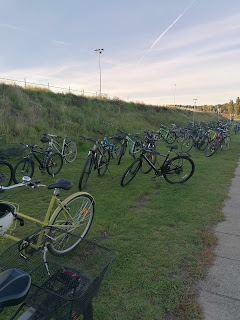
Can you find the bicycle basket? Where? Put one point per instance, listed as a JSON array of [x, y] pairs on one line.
[[8, 150], [7, 212], [65, 284]]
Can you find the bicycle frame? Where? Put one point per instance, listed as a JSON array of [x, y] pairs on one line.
[[54, 144], [159, 170], [164, 133], [48, 219]]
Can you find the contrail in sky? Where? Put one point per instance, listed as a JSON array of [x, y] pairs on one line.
[[162, 34]]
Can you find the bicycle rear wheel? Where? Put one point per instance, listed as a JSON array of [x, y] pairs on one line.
[[178, 169], [211, 148], [122, 152], [131, 171], [24, 167], [75, 221], [6, 173], [70, 151], [54, 163], [171, 137]]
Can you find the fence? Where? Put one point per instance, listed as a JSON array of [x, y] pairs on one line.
[[26, 84]]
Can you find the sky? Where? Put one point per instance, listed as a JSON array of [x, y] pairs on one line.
[[155, 51]]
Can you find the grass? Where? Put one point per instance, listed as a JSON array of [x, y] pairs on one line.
[[162, 236]]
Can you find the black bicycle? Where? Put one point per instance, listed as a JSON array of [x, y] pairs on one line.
[[98, 159], [47, 160], [178, 169]]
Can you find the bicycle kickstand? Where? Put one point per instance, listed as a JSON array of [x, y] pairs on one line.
[[110, 173], [154, 179]]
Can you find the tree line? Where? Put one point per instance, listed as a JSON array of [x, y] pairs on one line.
[[231, 107]]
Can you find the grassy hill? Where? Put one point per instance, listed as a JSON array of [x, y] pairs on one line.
[[162, 236], [31, 112]]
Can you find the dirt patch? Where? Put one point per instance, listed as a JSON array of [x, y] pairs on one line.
[[140, 204]]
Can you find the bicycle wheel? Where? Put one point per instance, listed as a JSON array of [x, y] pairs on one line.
[[24, 167], [178, 169], [145, 167], [187, 144], [104, 159], [211, 148], [75, 220], [70, 151], [225, 144], [131, 171], [122, 152], [136, 149], [85, 172], [6, 173], [171, 137], [54, 163], [202, 143]]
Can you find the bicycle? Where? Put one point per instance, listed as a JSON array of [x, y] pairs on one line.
[[47, 160], [50, 287], [68, 148], [114, 147], [166, 134], [98, 158], [178, 169], [6, 169], [133, 145], [73, 215]]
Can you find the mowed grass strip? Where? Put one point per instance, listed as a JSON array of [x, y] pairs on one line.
[[162, 235]]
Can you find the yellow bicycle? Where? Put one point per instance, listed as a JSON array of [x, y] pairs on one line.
[[72, 216]]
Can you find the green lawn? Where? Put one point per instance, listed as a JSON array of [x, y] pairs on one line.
[[162, 235]]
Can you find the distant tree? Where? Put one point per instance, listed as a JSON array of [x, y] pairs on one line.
[[230, 107], [237, 106]]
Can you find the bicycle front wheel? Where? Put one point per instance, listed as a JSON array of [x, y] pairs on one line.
[[6, 173], [171, 137], [72, 223], [178, 169], [85, 172], [24, 167], [122, 152], [54, 163], [131, 171], [103, 162]]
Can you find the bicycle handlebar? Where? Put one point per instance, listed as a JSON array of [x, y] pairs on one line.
[[26, 182]]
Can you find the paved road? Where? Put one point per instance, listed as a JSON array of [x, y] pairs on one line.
[[220, 291]]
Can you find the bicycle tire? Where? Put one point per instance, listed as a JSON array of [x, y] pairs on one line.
[[122, 152], [187, 144], [171, 137], [173, 169], [70, 151], [54, 163], [145, 167], [81, 213], [87, 168], [211, 148], [104, 159], [6, 173], [225, 144], [24, 167], [131, 171], [136, 149]]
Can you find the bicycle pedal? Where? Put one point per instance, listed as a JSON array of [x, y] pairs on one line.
[[153, 178]]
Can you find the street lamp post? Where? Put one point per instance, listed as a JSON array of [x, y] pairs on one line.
[[194, 110], [100, 52]]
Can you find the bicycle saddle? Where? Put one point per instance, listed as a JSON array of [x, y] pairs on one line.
[[14, 287], [61, 184]]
